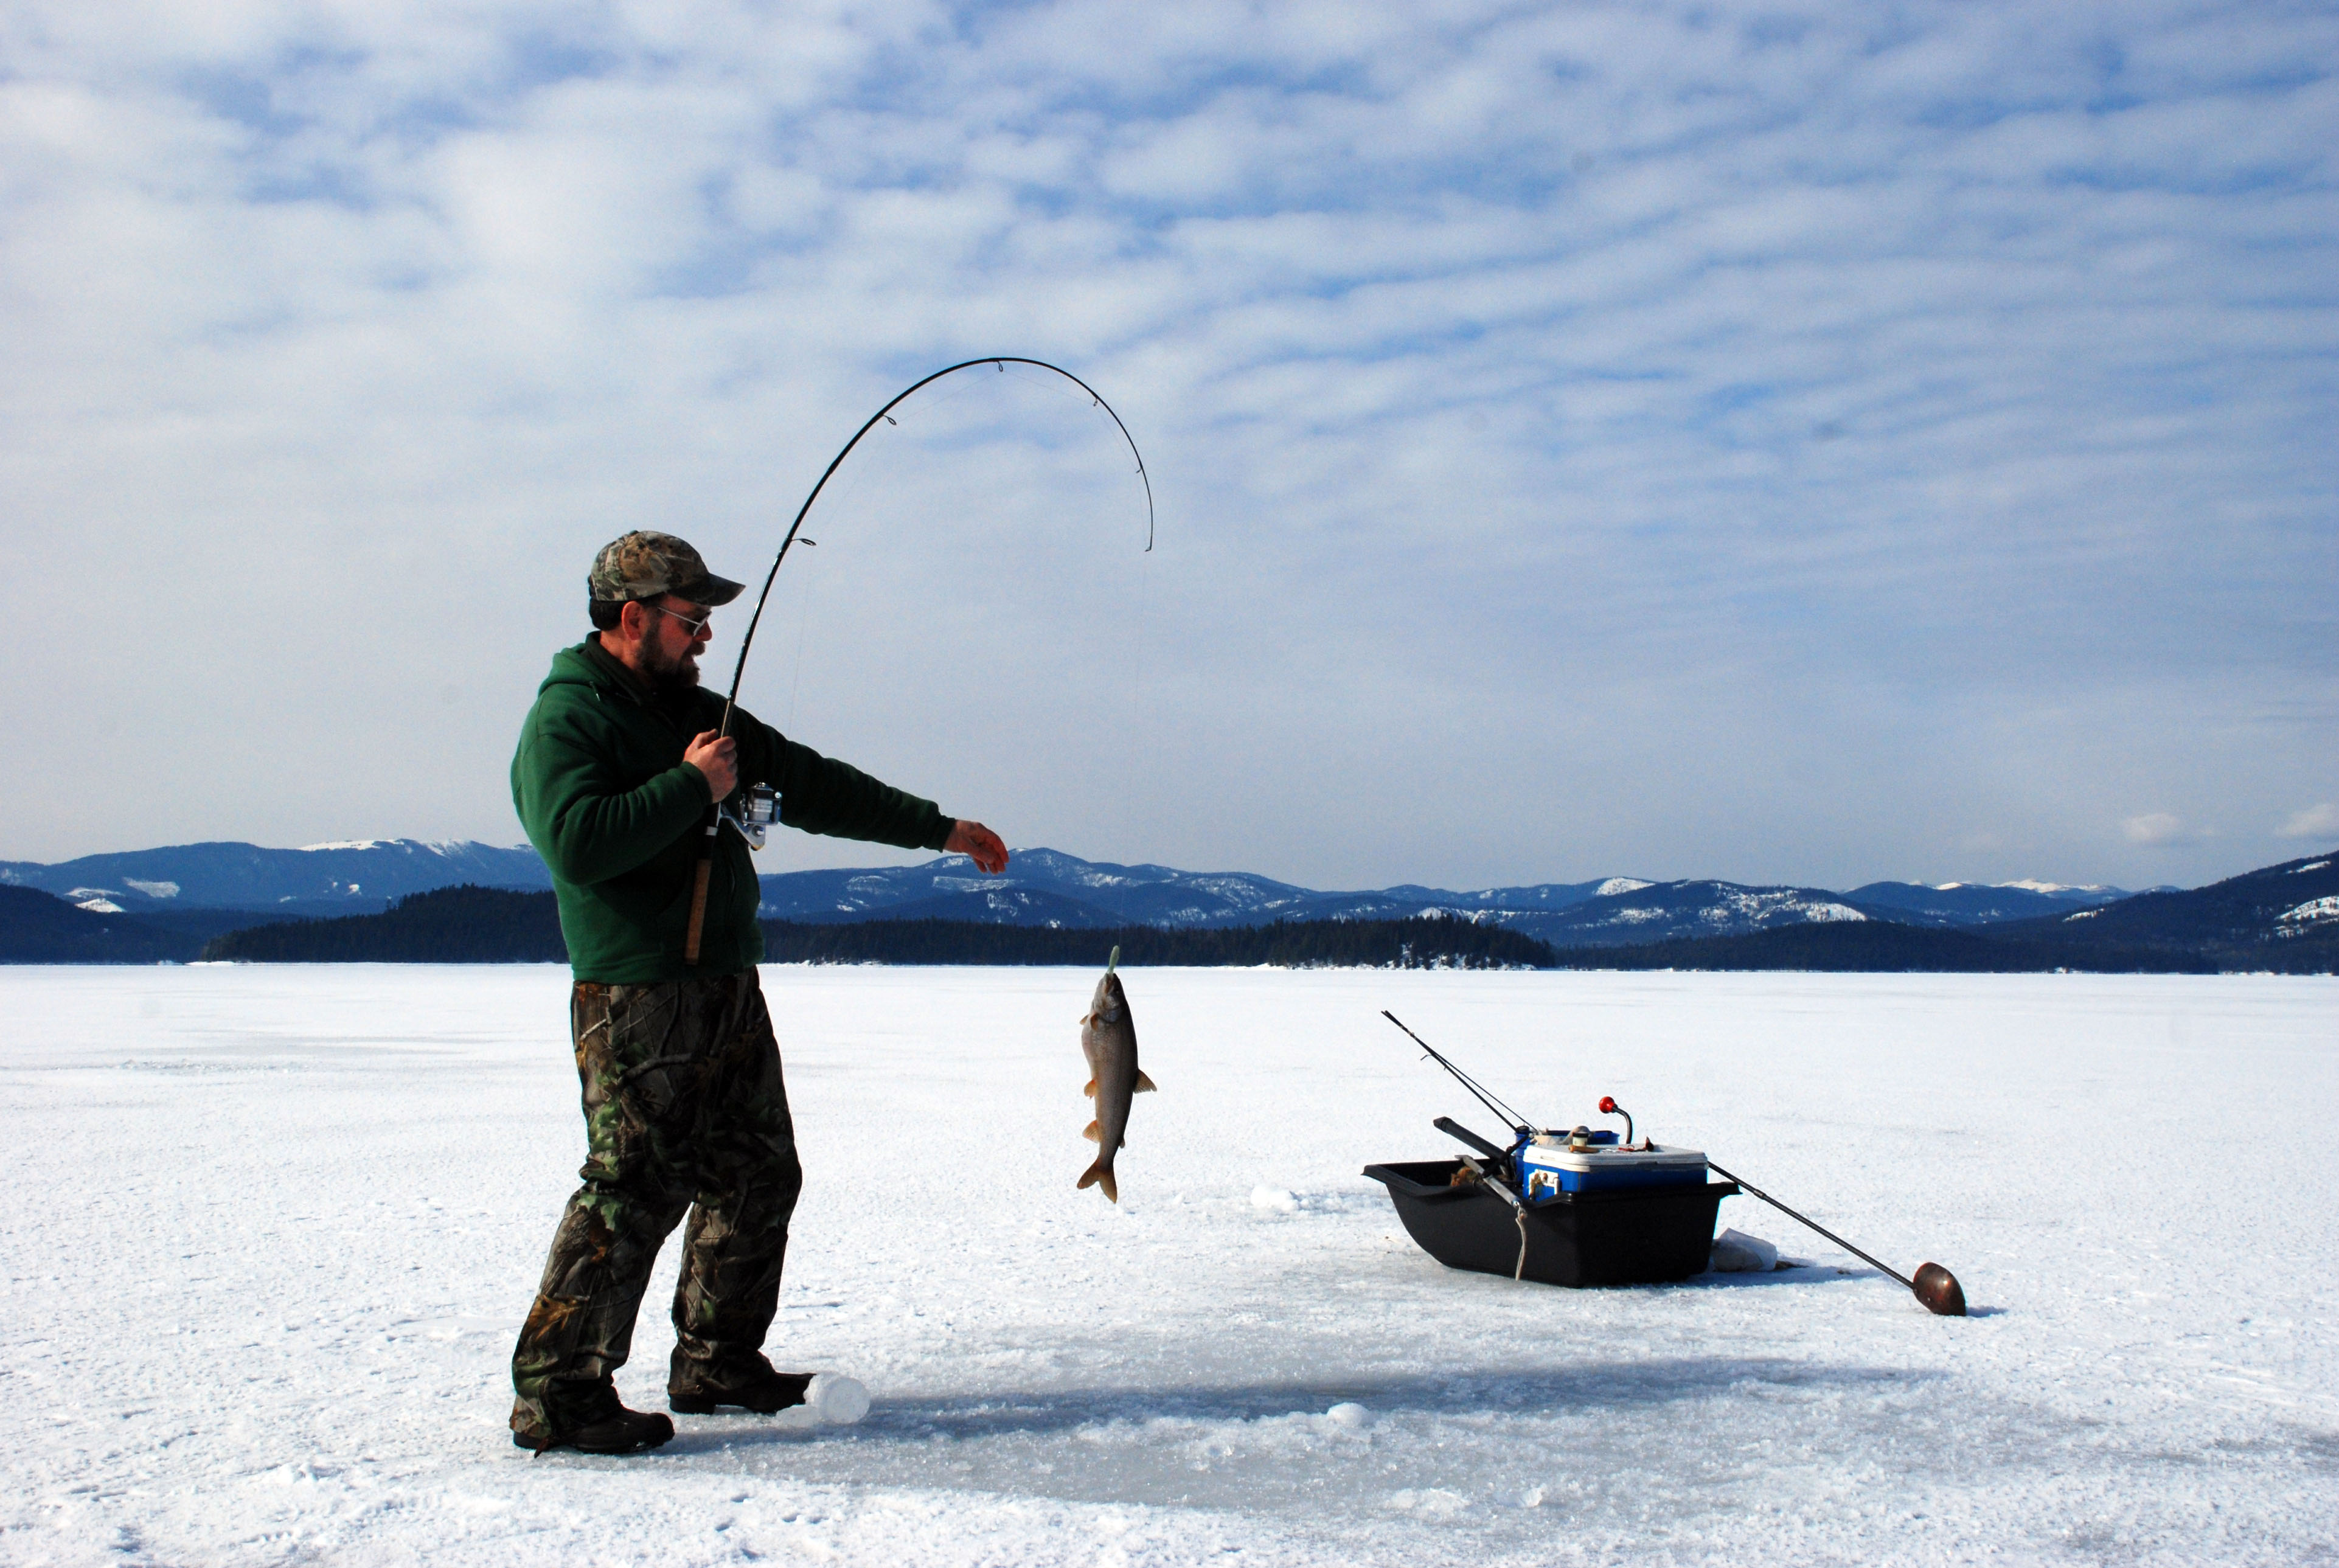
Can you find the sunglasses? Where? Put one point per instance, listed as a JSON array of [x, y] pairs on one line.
[[695, 627]]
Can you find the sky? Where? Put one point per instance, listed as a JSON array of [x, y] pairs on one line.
[[1779, 442]]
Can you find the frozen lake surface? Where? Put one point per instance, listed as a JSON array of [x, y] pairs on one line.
[[270, 1232]]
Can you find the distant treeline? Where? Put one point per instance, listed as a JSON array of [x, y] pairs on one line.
[[41, 928], [448, 925], [1433, 943], [491, 925], [1873, 946]]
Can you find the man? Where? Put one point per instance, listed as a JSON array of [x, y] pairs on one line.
[[685, 1108]]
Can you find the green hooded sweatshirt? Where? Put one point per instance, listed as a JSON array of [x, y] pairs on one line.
[[618, 817]]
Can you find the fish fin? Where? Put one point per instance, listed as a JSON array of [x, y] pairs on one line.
[[1093, 1134], [1100, 1175], [1091, 1090], [1144, 1085]]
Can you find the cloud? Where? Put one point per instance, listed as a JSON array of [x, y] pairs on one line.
[[2158, 830], [2316, 822], [1705, 392]]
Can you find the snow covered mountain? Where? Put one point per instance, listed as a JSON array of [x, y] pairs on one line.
[[1049, 887], [1636, 912], [1046, 886], [1979, 903], [2293, 905], [359, 876]]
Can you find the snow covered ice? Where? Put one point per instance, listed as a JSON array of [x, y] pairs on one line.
[[271, 1230]]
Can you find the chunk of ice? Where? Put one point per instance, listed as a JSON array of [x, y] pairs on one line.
[[841, 1401], [1735, 1252]]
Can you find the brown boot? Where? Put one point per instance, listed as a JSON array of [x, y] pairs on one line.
[[695, 1389], [602, 1425]]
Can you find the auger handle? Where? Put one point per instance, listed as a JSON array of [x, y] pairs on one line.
[[1456, 1130]]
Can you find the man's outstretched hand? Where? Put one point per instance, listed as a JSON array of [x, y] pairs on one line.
[[979, 843]]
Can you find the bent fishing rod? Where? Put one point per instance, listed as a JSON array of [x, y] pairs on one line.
[[713, 825]]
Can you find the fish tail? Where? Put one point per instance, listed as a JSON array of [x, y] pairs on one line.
[[1100, 1175]]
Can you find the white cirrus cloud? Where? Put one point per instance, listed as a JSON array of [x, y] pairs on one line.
[[2317, 821], [2158, 829]]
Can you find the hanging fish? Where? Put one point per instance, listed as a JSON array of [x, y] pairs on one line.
[[1109, 1039]]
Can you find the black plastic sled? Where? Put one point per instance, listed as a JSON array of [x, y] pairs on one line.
[[1638, 1235]]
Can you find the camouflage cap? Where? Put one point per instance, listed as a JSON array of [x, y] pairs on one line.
[[643, 564]]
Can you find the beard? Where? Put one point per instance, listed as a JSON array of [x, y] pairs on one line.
[[671, 679]]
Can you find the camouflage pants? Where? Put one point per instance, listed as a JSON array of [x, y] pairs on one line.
[[684, 1110]]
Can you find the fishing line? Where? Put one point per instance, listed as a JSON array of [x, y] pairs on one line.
[[1055, 388], [1132, 627], [851, 488], [847, 498], [804, 634]]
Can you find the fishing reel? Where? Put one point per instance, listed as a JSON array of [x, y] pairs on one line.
[[753, 811]]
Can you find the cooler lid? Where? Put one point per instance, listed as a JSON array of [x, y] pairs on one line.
[[1609, 1157]]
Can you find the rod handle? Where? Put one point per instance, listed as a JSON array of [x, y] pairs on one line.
[[698, 896]]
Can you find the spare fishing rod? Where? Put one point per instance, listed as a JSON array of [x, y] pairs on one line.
[[1934, 1286], [1511, 1118], [767, 811]]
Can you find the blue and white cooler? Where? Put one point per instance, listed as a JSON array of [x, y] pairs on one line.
[[1550, 1163]]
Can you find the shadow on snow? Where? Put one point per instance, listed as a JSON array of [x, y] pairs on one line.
[[971, 1417]]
